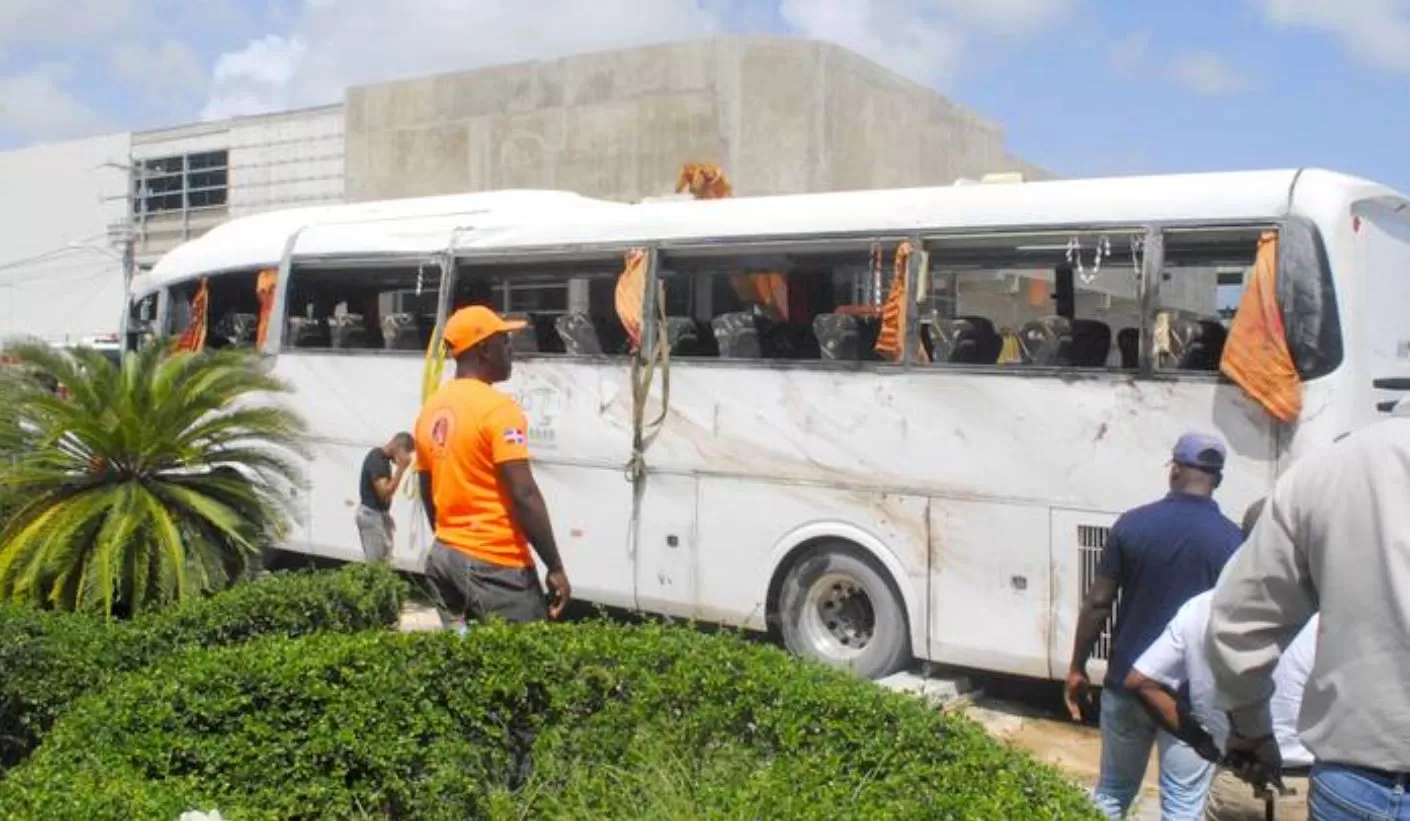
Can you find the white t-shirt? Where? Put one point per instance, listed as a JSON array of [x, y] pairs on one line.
[[1178, 657]]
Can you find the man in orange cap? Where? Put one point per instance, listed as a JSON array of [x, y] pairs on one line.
[[480, 495]]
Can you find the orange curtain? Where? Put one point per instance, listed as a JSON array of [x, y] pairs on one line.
[[890, 341], [704, 181], [631, 294], [1256, 356], [194, 337], [264, 289], [767, 289]]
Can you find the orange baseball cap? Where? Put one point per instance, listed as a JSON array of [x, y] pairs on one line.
[[470, 326]]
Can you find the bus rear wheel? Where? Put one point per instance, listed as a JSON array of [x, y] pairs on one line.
[[838, 606]]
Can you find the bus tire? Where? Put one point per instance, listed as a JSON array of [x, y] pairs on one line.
[[837, 605]]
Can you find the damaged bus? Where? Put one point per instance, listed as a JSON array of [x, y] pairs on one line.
[[883, 425]]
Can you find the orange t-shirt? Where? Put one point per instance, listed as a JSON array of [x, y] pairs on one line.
[[465, 431]]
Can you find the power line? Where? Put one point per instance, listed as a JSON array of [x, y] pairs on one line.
[[68, 247]]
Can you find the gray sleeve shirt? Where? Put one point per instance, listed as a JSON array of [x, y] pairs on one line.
[[1334, 537]]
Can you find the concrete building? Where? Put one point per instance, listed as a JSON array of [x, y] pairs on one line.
[[779, 115]]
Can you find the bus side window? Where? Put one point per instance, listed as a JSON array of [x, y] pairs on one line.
[[390, 306], [1050, 299], [806, 304], [232, 309], [142, 321], [1202, 280], [570, 306]]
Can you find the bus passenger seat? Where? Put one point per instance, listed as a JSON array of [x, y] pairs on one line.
[[683, 334], [737, 335], [579, 334], [1128, 341], [307, 333], [348, 331], [526, 340], [1046, 341], [988, 342], [545, 333], [1198, 343], [238, 329], [966, 340], [839, 338], [406, 332], [1091, 343]]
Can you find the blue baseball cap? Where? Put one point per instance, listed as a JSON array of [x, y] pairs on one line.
[[1201, 451]]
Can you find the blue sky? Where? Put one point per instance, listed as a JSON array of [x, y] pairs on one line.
[[1082, 87]]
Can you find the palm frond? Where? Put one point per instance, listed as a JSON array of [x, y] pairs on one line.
[[148, 481]]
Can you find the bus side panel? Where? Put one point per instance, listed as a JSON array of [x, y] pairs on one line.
[[1079, 532], [989, 586], [579, 416], [591, 509], [352, 403], [994, 452], [754, 522]]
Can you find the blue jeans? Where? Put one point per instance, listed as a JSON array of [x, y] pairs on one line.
[[1341, 793], [1128, 734]]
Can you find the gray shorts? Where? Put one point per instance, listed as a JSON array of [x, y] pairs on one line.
[[375, 529], [472, 589]]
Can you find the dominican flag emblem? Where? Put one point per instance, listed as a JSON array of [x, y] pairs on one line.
[[514, 436]]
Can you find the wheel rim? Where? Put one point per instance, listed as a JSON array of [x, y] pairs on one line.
[[838, 619]]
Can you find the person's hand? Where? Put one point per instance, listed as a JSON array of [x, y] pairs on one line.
[[1074, 690], [1209, 751], [1255, 760], [560, 592]]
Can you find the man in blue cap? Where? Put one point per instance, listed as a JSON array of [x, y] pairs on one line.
[[1157, 557]]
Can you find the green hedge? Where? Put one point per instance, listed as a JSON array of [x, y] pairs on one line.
[[545, 721], [49, 659]]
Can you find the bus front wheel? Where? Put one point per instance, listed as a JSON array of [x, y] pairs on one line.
[[838, 606]]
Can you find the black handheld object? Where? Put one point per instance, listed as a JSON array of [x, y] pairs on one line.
[[1194, 734]]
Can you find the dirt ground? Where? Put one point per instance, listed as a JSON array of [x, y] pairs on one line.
[[1073, 748]]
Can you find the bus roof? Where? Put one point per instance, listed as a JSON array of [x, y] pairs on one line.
[[259, 240], [538, 219]]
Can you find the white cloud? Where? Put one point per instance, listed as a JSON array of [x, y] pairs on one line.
[[35, 107], [922, 39], [906, 37], [336, 43], [1376, 31], [1007, 16], [328, 45], [168, 68], [260, 77], [1208, 74], [48, 22]]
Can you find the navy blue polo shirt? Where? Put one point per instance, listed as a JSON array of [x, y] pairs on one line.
[[1161, 556]]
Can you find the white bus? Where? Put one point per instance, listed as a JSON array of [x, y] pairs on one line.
[[947, 505]]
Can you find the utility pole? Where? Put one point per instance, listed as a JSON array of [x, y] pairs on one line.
[[134, 193]]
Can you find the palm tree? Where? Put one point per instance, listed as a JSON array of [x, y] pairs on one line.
[[139, 483]]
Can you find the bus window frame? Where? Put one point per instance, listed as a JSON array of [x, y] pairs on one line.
[[464, 262], [1161, 231], [706, 249], [1148, 290], [274, 337], [934, 244]]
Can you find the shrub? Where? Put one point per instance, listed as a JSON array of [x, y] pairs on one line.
[[49, 659], [543, 721]]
